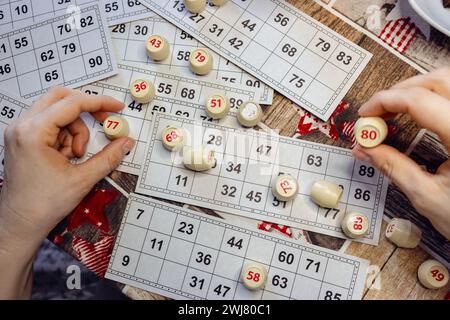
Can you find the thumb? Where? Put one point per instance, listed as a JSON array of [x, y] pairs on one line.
[[107, 160], [399, 168]]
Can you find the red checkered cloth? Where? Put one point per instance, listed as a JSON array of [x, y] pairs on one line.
[[268, 226], [309, 123], [399, 34], [347, 129], [95, 256]]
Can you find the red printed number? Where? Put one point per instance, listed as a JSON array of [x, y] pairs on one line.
[[439, 276], [156, 43], [255, 276], [200, 57], [171, 136], [216, 103], [285, 185], [112, 124], [391, 228], [357, 225], [366, 134], [140, 86]]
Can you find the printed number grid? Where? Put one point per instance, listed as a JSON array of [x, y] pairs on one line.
[[10, 109], [52, 53], [175, 95], [187, 89], [16, 14], [122, 11], [130, 39], [280, 45], [182, 254], [20, 13], [248, 163]]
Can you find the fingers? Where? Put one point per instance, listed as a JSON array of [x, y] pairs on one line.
[[100, 116], [428, 109], [104, 162], [399, 168], [80, 133], [72, 140], [67, 110], [50, 97], [65, 143], [437, 81]]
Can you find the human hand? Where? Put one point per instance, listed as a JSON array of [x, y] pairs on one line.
[[427, 99], [41, 186]]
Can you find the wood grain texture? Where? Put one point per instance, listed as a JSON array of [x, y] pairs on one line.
[[139, 294], [377, 255], [399, 278]]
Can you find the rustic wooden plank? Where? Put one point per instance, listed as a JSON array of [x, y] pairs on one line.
[[421, 293], [399, 278], [139, 294], [127, 181], [377, 255], [396, 277]]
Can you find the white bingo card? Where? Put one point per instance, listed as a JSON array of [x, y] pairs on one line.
[[52, 52], [10, 109], [183, 254], [296, 55], [130, 39], [175, 95], [16, 14], [248, 163]]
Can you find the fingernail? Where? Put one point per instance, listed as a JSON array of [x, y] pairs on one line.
[[128, 146]]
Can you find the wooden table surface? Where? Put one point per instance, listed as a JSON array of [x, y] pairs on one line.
[[393, 271]]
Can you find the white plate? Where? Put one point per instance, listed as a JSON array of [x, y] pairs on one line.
[[434, 13]]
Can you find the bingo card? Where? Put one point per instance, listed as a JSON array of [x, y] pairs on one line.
[[175, 95], [129, 40], [296, 55], [10, 109], [54, 52], [247, 164], [183, 254], [16, 14]]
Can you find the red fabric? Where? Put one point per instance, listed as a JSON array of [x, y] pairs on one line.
[[399, 34], [92, 210], [58, 240], [309, 123], [268, 226], [347, 129], [94, 256]]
